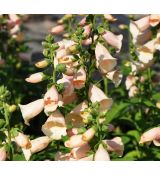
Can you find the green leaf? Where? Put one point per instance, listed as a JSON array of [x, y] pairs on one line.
[[148, 103], [156, 96], [2, 123], [115, 111], [135, 134]]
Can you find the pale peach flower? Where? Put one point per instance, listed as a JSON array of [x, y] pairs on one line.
[[142, 23], [113, 40], [82, 22], [75, 117], [115, 145], [101, 154], [138, 36], [35, 78], [151, 135], [79, 78], [104, 61], [115, 76], [89, 134], [51, 100], [31, 110], [68, 86], [57, 30], [75, 141], [37, 145], [130, 81], [69, 99], [154, 19], [110, 17], [80, 152], [133, 91], [14, 18], [3, 154], [97, 95], [87, 30], [145, 52], [55, 126], [22, 140]]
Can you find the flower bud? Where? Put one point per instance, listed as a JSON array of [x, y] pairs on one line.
[[42, 63], [57, 30], [61, 68], [35, 78], [12, 108]]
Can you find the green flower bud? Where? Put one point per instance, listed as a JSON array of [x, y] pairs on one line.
[[12, 108], [61, 68]]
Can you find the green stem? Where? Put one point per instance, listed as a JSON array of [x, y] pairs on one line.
[[105, 81], [150, 79], [7, 118]]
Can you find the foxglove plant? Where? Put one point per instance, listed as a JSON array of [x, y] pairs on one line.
[[75, 102]]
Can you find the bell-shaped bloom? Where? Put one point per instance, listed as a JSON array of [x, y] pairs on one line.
[[101, 154], [104, 61], [57, 30], [133, 91], [35, 78], [154, 19], [87, 30], [69, 99], [87, 41], [82, 22], [143, 23], [97, 95], [22, 140], [68, 86], [75, 141], [80, 152], [115, 145], [3, 154], [138, 66], [145, 53], [75, 117], [79, 78], [89, 134], [14, 18], [88, 158], [151, 135], [138, 36], [31, 110], [51, 100], [55, 126], [113, 40], [130, 81], [110, 17], [115, 76], [37, 145]]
